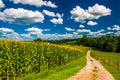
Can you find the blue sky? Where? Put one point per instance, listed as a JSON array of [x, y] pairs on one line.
[[58, 19]]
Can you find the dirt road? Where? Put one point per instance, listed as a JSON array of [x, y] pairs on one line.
[[92, 71]]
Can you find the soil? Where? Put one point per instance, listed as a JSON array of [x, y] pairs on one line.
[[92, 71]]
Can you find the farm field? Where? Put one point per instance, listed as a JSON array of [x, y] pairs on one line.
[[110, 60], [59, 73], [19, 59]]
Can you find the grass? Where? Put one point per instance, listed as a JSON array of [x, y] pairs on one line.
[[112, 70], [109, 61], [60, 73]]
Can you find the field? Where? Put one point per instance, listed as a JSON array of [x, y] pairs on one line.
[[110, 60], [19, 58], [28, 60]]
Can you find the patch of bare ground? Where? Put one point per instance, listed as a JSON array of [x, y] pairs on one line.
[[92, 71]]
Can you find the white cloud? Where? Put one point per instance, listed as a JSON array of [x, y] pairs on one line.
[[110, 33], [97, 33], [57, 21], [108, 28], [13, 36], [10, 34], [69, 29], [59, 15], [95, 12], [21, 16], [56, 36], [37, 3], [38, 33], [52, 14], [75, 33], [91, 23], [6, 30], [81, 26], [83, 30], [116, 27], [34, 30], [99, 10], [117, 33], [48, 13], [2, 5], [26, 35]]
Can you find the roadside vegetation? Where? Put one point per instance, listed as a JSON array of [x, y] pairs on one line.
[[110, 60], [59, 73]]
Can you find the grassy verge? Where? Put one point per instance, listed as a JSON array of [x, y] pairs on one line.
[[109, 60], [60, 73], [113, 71]]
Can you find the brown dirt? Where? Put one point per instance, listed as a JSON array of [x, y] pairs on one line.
[[92, 71]]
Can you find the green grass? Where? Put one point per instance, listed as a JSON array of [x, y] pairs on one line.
[[109, 60], [60, 73], [112, 70]]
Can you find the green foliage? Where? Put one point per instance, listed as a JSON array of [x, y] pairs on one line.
[[59, 73], [112, 70], [19, 58], [110, 60], [104, 43]]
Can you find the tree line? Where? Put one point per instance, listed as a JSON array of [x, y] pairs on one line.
[[104, 43]]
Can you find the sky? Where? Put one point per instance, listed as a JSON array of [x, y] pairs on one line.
[[58, 19]]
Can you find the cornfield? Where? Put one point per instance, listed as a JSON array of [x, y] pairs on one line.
[[18, 58]]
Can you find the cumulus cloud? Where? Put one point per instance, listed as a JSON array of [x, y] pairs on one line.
[[69, 29], [75, 33], [91, 23], [33, 33], [108, 28], [10, 34], [57, 36], [99, 10], [34, 30], [2, 5], [21, 16], [95, 12], [13, 36], [37, 3], [48, 13], [52, 14], [57, 21], [117, 33], [83, 30], [116, 27], [6, 30], [97, 33], [110, 33], [59, 15], [28, 35], [81, 26]]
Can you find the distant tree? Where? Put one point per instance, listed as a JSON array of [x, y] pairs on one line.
[[118, 45], [38, 40]]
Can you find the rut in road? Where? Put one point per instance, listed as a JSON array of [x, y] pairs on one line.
[[92, 71]]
